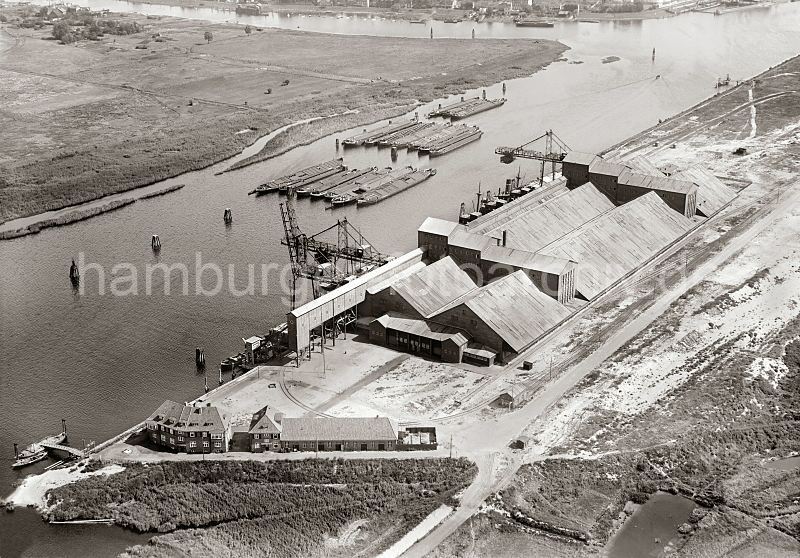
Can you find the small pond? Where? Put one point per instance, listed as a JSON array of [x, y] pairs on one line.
[[656, 520]]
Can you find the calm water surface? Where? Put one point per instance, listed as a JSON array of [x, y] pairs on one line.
[[652, 527], [105, 362]]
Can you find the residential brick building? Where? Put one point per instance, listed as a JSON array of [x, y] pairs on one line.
[[188, 428]]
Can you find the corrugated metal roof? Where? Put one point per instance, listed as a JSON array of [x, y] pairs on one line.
[[461, 238], [662, 183], [337, 429], [494, 220], [516, 310], [541, 224], [480, 350], [607, 168], [615, 243], [580, 158], [434, 287], [712, 193], [526, 260], [432, 225], [388, 282], [642, 164], [370, 278], [414, 326]]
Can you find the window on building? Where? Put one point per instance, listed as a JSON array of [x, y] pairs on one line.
[[205, 444], [256, 436], [172, 440], [191, 434], [180, 438], [216, 436], [192, 444], [164, 437], [217, 444]]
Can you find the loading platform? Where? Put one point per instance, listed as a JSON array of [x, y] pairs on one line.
[[66, 449]]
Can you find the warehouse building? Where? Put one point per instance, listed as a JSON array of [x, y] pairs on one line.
[[421, 294], [485, 258], [188, 428], [622, 182], [419, 337], [338, 434], [618, 242]]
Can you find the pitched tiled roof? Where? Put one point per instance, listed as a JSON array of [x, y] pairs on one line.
[[262, 422], [188, 417], [336, 429]]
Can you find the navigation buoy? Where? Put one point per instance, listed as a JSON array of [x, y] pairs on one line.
[[199, 357], [220, 375], [155, 243], [431, 32], [473, 32], [227, 216], [74, 272]]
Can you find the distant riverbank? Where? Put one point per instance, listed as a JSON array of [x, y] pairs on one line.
[[106, 135]]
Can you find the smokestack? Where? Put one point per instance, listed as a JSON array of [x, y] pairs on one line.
[[504, 237]]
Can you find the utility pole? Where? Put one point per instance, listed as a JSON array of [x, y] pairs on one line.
[[551, 368], [451, 446]]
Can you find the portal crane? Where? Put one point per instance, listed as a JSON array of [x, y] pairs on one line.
[[554, 152], [326, 263]]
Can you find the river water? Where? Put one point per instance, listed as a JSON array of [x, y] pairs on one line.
[[104, 362]]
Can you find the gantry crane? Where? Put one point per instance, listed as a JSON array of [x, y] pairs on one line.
[[554, 152], [327, 264]]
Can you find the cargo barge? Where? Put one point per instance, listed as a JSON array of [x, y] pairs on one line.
[[416, 176], [302, 177], [465, 108], [317, 189], [369, 137]]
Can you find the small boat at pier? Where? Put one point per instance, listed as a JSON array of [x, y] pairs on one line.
[[36, 452]]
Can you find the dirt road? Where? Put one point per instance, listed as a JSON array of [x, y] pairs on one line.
[[493, 436]]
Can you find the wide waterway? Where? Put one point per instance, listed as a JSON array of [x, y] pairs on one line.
[[104, 362]]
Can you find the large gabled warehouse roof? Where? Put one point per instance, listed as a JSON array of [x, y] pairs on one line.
[[712, 193], [516, 310], [434, 287], [617, 242], [526, 260], [661, 183], [541, 225]]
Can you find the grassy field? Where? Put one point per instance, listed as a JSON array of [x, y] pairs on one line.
[[101, 116], [314, 507]]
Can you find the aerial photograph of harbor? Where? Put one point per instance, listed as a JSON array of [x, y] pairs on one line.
[[399, 278]]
